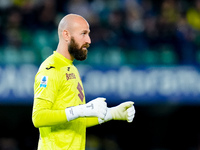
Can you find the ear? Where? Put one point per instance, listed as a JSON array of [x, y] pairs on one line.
[[66, 35]]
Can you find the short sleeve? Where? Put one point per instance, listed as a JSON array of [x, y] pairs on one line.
[[46, 85]]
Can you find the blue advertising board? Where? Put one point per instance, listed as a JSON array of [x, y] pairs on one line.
[[175, 84], [16, 83], [143, 85]]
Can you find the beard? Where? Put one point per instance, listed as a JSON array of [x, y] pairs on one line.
[[76, 52]]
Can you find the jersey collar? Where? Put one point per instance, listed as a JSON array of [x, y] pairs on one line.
[[60, 56]]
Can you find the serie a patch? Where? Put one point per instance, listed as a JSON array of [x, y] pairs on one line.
[[44, 81]]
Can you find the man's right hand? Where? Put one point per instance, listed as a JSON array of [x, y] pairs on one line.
[[94, 108]]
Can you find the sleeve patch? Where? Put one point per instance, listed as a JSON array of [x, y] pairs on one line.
[[43, 82]]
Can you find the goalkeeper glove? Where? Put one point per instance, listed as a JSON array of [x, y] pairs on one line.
[[124, 111], [94, 108]]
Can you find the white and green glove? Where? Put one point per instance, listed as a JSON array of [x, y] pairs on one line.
[[94, 108], [124, 111]]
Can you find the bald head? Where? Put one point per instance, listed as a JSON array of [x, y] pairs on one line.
[[74, 39], [70, 22]]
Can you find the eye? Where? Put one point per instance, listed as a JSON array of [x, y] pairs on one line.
[[84, 33]]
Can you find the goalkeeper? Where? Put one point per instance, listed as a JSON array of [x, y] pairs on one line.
[[59, 110]]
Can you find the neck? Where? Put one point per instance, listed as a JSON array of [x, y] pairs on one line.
[[63, 50]]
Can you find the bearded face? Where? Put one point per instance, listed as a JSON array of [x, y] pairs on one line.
[[79, 53]]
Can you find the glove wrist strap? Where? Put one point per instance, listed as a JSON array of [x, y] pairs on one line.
[[73, 112]]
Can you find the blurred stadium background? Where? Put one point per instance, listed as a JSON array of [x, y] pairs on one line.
[[147, 51]]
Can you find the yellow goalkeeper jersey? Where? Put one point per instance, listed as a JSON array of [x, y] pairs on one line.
[[58, 86]]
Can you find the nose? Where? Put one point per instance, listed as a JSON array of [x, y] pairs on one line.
[[88, 40]]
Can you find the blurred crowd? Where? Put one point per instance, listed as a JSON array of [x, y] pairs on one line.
[[28, 28], [122, 31]]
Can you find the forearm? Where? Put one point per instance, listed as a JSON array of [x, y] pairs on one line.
[[48, 118], [44, 116]]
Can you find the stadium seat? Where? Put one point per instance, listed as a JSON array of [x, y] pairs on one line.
[[198, 56], [28, 55], [12, 55], [167, 56], [114, 56], [46, 52], [95, 56], [133, 57], [150, 57], [41, 39]]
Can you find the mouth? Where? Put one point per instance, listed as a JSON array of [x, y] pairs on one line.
[[85, 46]]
